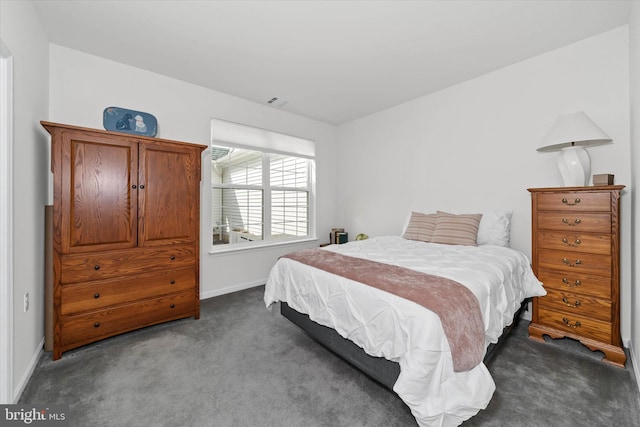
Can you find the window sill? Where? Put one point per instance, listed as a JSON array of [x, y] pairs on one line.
[[238, 247]]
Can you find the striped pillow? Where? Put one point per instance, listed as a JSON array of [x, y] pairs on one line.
[[420, 227], [454, 229]]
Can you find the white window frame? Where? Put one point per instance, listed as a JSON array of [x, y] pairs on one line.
[[234, 135]]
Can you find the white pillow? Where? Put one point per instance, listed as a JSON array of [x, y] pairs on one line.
[[495, 228], [405, 225]]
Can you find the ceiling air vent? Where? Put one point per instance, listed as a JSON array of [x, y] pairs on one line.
[[277, 102]]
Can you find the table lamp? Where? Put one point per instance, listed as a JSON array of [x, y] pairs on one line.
[[570, 134]]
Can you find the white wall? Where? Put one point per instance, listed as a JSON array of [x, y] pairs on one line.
[[82, 86], [472, 147], [22, 34], [634, 69]]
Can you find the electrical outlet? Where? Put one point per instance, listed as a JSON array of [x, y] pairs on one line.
[[26, 302]]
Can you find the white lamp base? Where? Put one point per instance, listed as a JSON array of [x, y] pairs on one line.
[[575, 166]]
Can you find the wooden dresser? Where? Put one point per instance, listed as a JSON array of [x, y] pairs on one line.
[[576, 254], [126, 223]]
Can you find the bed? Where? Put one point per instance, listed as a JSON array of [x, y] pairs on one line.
[[403, 332]]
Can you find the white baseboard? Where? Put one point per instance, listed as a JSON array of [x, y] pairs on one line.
[[234, 288], [636, 364], [27, 374]]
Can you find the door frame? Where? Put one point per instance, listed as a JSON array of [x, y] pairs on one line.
[[6, 225]]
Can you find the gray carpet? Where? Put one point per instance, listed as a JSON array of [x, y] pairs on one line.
[[241, 365]]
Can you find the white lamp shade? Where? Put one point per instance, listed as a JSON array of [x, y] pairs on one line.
[[571, 130], [571, 133]]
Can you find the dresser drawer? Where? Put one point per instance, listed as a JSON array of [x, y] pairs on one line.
[[104, 265], [574, 324], [575, 222], [575, 262], [79, 297], [583, 201], [575, 242], [82, 329], [576, 304], [576, 282]]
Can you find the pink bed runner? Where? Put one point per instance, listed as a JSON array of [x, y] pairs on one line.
[[457, 306]]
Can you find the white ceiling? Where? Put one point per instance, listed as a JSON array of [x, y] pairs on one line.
[[329, 60]]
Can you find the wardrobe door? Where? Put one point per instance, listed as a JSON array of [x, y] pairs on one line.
[[168, 195], [99, 194]]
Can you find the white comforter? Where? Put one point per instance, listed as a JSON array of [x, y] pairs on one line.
[[405, 332]]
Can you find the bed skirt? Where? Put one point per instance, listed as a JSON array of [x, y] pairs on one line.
[[380, 369]]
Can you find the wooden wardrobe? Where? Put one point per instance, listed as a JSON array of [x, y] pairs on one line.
[[126, 224]]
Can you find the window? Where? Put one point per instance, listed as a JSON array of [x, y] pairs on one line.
[[261, 186]]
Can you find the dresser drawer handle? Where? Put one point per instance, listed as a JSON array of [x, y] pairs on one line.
[[173, 257], [575, 243], [173, 282], [172, 306], [96, 295], [571, 325], [96, 325], [568, 304], [96, 267], [566, 202], [566, 261], [571, 285], [576, 222]]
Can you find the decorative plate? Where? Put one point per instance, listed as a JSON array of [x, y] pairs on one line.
[[118, 119]]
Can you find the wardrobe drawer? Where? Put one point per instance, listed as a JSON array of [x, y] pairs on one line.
[[575, 222], [86, 328], [79, 297], [575, 262], [567, 201], [574, 324], [576, 282], [575, 242], [104, 265], [577, 304]]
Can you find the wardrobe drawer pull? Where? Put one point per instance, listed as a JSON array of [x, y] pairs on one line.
[[572, 305], [566, 261], [571, 325], [576, 222], [571, 285], [575, 202], [575, 242]]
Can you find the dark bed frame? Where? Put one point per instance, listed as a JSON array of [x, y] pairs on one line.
[[380, 369]]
